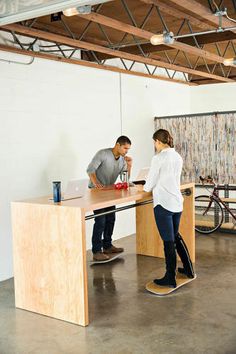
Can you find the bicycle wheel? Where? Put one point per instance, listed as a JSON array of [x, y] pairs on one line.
[[208, 214]]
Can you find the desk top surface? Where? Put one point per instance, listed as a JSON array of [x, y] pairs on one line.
[[100, 198]]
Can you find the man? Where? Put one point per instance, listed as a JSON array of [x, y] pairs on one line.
[[103, 171]]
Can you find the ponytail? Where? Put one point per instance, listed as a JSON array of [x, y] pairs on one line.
[[170, 141]]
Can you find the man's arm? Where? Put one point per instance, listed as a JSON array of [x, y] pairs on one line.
[[94, 180], [92, 167], [128, 161]]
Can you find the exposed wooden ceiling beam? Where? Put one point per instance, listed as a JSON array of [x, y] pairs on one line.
[[198, 52], [204, 81], [217, 69], [209, 38], [61, 30], [196, 80], [201, 12], [118, 25], [114, 53], [170, 10], [121, 26], [149, 48], [89, 64]]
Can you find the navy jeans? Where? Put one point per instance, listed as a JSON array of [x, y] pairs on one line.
[[167, 223], [103, 229]]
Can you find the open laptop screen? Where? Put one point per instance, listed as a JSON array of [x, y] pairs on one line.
[[76, 189], [142, 176]]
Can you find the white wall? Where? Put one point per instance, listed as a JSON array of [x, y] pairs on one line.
[[212, 98], [55, 116]]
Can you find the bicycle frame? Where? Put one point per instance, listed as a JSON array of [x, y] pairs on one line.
[[214, 196]]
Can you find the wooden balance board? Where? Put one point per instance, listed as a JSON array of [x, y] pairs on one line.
[[113, 256], [162, 290]]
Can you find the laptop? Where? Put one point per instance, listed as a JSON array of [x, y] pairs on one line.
[[75, 189], [142, 176]]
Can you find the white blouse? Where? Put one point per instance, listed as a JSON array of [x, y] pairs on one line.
[[164, 180]]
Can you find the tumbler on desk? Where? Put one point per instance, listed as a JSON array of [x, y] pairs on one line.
[[124, 176], [56, 192]]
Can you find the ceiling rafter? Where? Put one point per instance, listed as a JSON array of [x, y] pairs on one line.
[[170, 10], [114, 53], [200, 11], [61, 31], [213, 67], [11, 49], [149, 48], [121, 26]]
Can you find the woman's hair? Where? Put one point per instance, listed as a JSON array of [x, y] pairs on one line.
[[163, 136]]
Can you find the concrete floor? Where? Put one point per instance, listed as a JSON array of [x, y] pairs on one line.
[[125, 319]]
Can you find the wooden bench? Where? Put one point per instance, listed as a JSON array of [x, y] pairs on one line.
[[229, 200]]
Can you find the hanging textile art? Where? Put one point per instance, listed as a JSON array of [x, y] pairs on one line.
[[206, 142]]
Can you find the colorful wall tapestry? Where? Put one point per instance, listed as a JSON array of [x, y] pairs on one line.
[[206, 142]]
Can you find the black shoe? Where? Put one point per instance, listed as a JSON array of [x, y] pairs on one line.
[[166, 281], [185, 272]]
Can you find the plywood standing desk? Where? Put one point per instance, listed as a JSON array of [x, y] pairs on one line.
[[49, 248]]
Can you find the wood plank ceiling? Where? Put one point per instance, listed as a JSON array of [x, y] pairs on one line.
[[123, 28]]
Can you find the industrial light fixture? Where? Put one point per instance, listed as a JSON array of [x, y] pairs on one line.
[[168, 37], [230, 62], [80, 10], [220, 13], [164, 38], [70, 12]]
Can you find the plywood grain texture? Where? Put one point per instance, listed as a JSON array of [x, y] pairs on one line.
[[148, 240], [50, 261]]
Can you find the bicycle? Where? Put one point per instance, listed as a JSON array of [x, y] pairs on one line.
[[209, 213]]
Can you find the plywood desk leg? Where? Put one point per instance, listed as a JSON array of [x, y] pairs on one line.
[[50, 261], [148, 240]]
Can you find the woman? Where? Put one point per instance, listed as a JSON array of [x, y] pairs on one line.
[[164, 182]]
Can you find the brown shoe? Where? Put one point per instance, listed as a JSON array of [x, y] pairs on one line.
[[113, 249], [99, 256]]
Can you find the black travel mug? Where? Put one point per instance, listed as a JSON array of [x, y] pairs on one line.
[[56, 192]]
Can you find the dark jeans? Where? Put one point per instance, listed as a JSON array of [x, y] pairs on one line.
[[103, 226], [167, 223]]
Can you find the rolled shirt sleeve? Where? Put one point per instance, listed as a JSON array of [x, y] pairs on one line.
[[95, 163]]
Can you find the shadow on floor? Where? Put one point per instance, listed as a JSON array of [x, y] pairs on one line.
[[125, 319]]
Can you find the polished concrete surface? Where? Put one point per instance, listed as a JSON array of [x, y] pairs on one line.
[[125, 319]]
